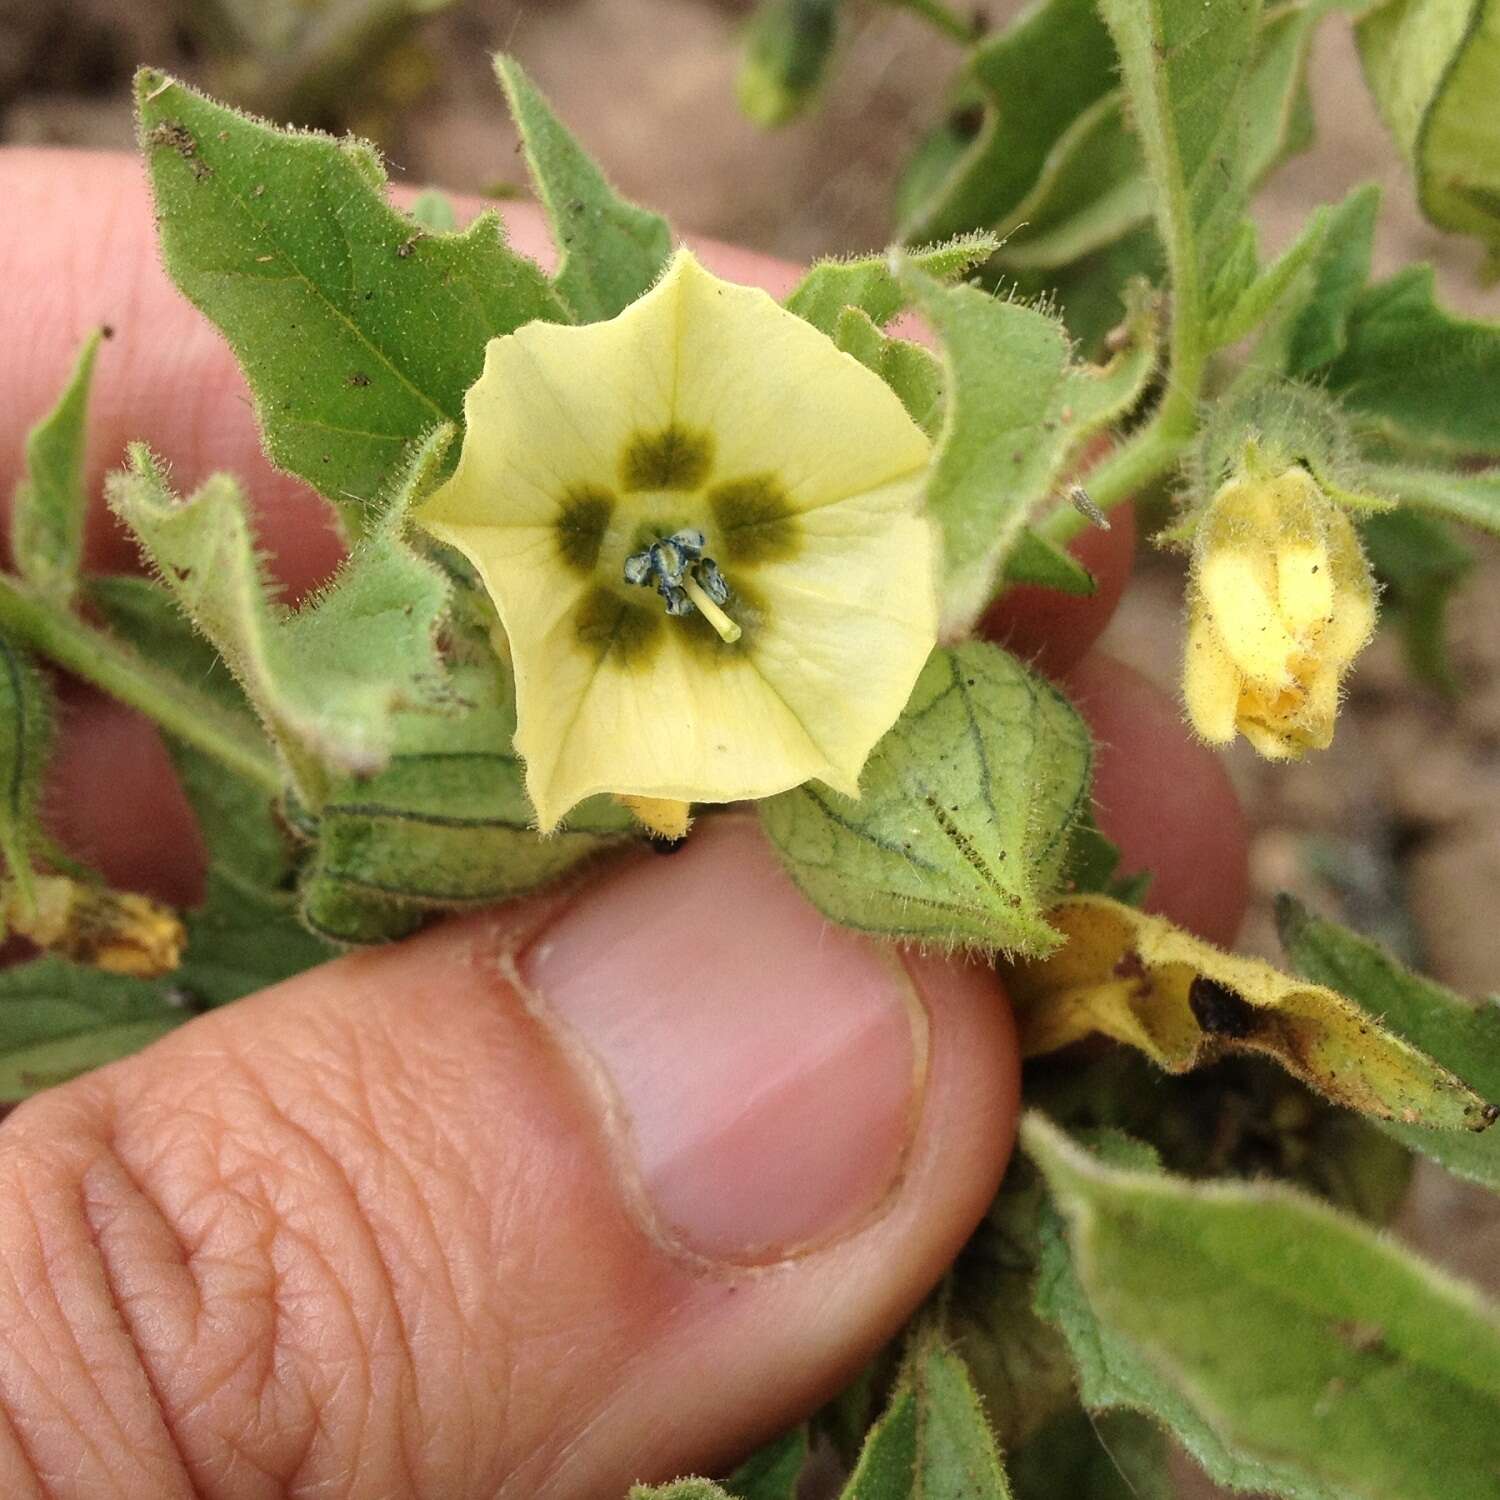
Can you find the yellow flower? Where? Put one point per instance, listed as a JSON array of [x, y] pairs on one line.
[[700, 524], [1280, 602]]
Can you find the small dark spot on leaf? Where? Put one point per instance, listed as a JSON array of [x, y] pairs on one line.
[[258, 191], [357, 378], [967, 121], [407, 246], [1219, 1011]]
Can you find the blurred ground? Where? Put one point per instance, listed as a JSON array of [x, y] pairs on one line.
[[1397, 828]]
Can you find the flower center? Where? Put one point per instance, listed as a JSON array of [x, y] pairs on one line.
[[676, 567]]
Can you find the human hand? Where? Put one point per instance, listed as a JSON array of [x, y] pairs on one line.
[[601, 1186]]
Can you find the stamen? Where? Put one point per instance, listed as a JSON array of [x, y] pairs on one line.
[[728, 630]]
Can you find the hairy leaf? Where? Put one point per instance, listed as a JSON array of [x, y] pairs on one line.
[[46, 521], [1461, 1034], [871, 285], [610, 251], [909, 369], [680, 1489], [1314, 1351], [1434, 67], [1315, 330], [1030, 81], [771, 1472], [358, 329], [1016, 408], [1042, 563], [25, 743], [962, 826], [1182, 1002], [1414, 374], [325, 679], [1472, 498]]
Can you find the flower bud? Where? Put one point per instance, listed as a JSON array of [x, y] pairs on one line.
[[117, 931], [1280, 602]]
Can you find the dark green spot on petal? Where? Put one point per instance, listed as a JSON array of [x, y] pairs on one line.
[[618, 629], [755, 519], [675, 458], [581, 525]]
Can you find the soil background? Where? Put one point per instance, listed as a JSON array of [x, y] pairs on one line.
[[1396, 829]]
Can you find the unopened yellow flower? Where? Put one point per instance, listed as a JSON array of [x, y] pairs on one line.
[[700, 525], [1280, 602]]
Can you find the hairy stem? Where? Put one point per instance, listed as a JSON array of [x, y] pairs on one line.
[[99, 658]]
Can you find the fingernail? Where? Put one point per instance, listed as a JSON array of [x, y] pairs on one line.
[[763, 1069]]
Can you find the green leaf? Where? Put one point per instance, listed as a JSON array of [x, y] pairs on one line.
[[1472, 498], [1434, 68], [1250, 308], [1034, 79], [961, 830], [1413, 374], [1016, 407], [46, 523], [909, 369], [1094, 188], [446, 824], [25, 742], [874, 287], [1420, 564], [771, 1472], [787, 47], [359, 331], [325, 679], [1315, 332], [1463, 1035], [1116, 1455], [246, 934], [59, 1019], [933, 1442], [1324, 1359], [1019, 1363], [610, 251], [1185, 68], [1038, 561]]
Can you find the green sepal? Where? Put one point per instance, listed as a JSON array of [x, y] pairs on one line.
[[1015, 408], [59, 1019], [358, 329], [1434, 68], [51, 504], [772, 1472], [1244, 312], [787, 47], [680, 1489], [961, 831], [609, 251], [1449, 495], [327, 678], [873, 283], [1461, 1034], [1291, 1349], [25, 743]]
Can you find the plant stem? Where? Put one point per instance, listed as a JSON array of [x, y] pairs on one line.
[[1144, 456], [938, 15], [98, 658]]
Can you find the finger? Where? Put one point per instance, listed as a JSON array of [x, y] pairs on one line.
[[1053, 630], [532, 1205], [1164, 799]]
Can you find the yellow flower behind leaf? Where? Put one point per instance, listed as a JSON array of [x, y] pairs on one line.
[[1281, 600], [700, 524]]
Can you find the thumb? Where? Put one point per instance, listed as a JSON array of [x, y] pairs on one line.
[[541, 1202]]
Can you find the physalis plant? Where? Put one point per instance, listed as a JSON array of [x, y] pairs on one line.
[[628, 544]]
